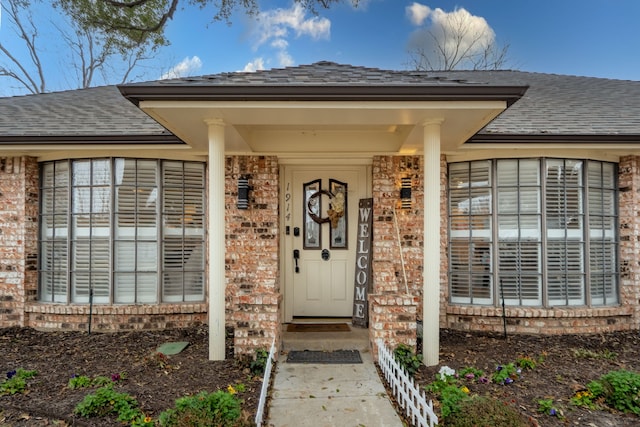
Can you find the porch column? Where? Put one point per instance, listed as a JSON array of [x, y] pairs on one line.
[[215, 225], [431, 262]]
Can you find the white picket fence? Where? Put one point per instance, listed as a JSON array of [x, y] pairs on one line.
[[405, 390], [266, 380]]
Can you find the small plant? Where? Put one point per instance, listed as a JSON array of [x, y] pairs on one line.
[[79, 381], [485, 411], [106, 401], [546, 406], [582, 353], [158, 359], [16, 381], [585, 398], [450, 398], [527, 362], [473, 374], [258, 364], [219, 408], [506, 374], [406, 358]]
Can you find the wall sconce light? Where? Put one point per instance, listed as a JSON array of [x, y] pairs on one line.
[[243, 192], [405, 193]]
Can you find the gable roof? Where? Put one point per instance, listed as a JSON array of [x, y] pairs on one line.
[[553, 107], [322, 81]]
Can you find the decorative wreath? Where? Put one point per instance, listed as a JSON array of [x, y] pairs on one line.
[[336, 207]]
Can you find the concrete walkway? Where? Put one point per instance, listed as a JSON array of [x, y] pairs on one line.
[[318, 395]]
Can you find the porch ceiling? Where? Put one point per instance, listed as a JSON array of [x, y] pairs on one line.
[[336, 127]]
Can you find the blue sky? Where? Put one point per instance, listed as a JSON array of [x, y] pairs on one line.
[[599, 38]]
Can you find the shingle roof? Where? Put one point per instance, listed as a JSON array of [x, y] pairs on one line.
[[563, 105], [94, 112], [553, 104], [321, 73]]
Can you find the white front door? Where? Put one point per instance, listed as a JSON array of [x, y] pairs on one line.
[[320, 215]]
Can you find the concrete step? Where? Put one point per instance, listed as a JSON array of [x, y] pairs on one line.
[[356, 339]]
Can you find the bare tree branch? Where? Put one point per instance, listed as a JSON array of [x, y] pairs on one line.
[[33, 82]]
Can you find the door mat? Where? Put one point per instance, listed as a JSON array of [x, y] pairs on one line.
[[327, 357], [318, 327]]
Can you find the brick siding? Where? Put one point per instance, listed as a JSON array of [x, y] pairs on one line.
[[253, 300], [253, 297]]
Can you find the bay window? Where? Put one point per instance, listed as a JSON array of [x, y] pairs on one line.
[[122, 231], [533, 232]]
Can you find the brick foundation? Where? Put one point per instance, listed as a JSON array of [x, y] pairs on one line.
[[114, 318], [392, 318]]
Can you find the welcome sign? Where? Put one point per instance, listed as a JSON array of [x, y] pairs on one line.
[[363, 263]]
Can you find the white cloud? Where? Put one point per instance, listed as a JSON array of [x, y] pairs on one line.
[[455, 35], [274, 28], [186, 67], [417, 13], [255, 65]]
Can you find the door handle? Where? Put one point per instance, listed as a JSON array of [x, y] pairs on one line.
[[296, 257]]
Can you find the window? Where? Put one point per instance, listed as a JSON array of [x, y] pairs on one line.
[[123, 231], [534, 232]]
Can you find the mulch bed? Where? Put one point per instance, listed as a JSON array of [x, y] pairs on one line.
[[57, 356], [570, 362]]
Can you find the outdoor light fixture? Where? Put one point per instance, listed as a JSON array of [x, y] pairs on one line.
[[405, 193], [243, 192]]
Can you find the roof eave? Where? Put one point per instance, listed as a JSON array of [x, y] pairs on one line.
[[139, 93], [549, 138], [90, 139]]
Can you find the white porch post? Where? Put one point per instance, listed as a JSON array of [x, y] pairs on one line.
[[431, 262], [216, 223]]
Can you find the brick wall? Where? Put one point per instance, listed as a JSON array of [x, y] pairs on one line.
[[18, 237], [114, 318], [389, 282], [253, 299], [394, 304]]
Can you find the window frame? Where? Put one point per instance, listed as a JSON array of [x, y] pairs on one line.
[[597, 181], [57, 239]]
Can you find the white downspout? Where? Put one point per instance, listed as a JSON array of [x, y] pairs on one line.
[[431, 262], [216, 240]]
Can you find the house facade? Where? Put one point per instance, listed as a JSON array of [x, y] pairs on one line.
[[486, 200]]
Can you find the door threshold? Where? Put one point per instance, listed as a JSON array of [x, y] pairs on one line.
[[327, 320]]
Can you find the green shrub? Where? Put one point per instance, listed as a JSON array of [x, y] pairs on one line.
[[219, 408], [259, 363], [16, 381], [106, 401], [450, 398], [485, 411], [621, 390], [406, 358]]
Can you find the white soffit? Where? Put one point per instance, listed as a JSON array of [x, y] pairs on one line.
[[280, 127]]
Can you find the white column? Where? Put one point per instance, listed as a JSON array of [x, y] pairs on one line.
[[431, 262], [215, 225]]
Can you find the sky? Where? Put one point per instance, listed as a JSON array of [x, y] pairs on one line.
[[598, 38]]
